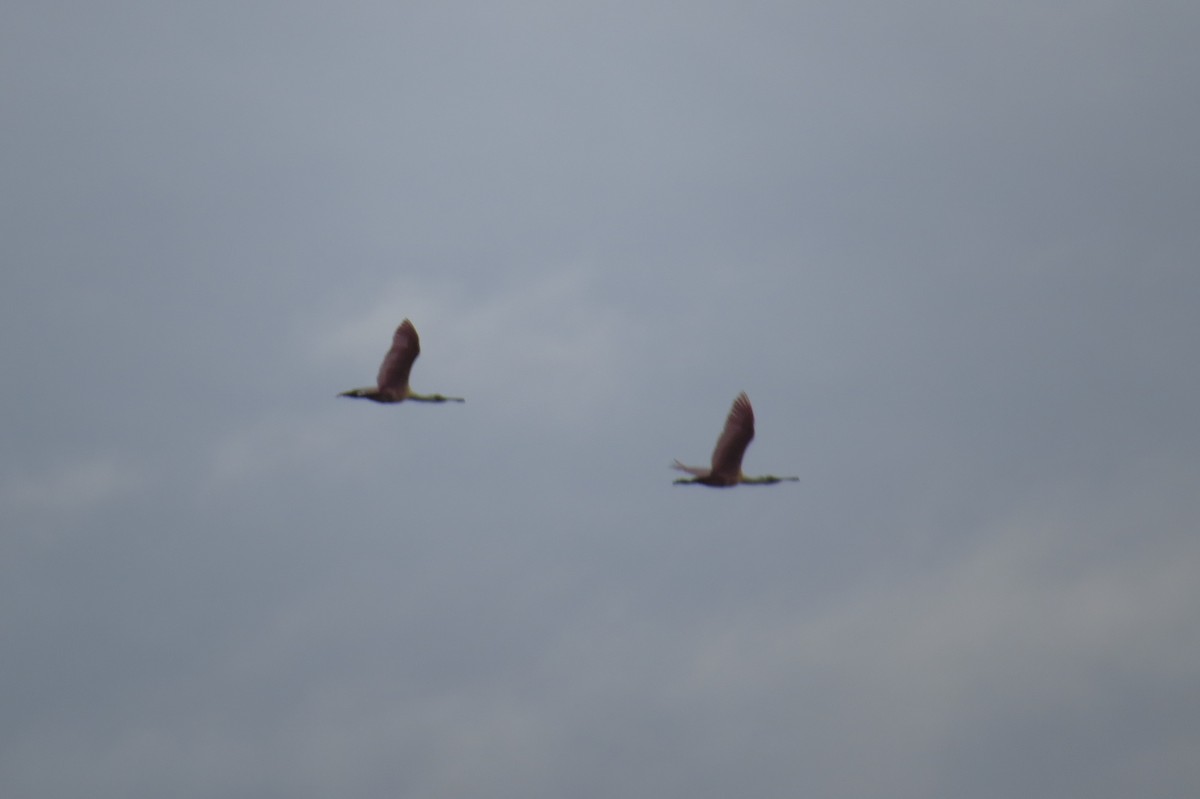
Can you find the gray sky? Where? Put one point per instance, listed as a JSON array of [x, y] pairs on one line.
[[949, 250]]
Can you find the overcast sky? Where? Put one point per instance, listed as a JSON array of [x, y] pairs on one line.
[[948, 249]]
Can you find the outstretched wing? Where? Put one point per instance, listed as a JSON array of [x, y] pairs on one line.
[[737, 435], [406, 346]]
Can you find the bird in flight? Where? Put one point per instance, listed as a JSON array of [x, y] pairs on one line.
[[726, 468], [393, 372]]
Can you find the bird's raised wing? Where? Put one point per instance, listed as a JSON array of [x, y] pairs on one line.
[[737, 435], [406, 346]]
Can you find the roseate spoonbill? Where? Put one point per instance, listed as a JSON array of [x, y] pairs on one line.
[[393, 372], [726, 468]]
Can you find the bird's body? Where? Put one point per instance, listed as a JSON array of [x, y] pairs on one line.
[[392, 382], [726, 469]]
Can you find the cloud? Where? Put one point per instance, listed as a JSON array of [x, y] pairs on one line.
[[1048, 623], [553, 338], [75, 487], [946, 252], [274, 441]]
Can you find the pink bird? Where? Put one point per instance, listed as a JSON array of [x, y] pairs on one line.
[[726, 468], [393, 372]]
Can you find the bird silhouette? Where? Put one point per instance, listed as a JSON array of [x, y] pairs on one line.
[[393, 372], [726, 468]]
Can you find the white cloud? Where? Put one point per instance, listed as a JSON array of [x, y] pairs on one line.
[[270, 443], [1032, 624], [551, 339], [70, 488]]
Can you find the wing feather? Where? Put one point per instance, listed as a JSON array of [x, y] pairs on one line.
[[737, 435], [406, 346]]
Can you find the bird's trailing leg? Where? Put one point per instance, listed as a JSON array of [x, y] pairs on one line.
[[432, 398], [768, 479]]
